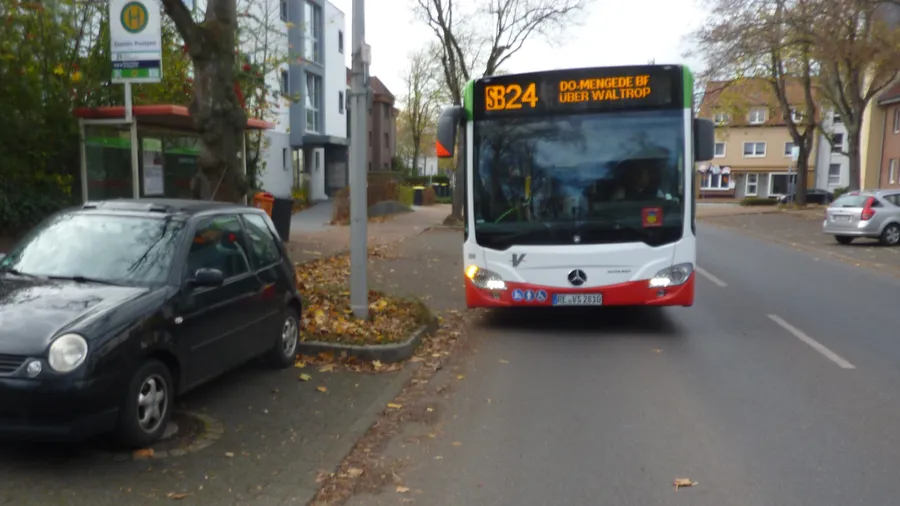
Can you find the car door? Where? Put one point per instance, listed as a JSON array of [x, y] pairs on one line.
[[215, 319], [267, 261]]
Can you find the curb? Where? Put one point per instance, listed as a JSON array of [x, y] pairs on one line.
[[445, 227], [387, 353]]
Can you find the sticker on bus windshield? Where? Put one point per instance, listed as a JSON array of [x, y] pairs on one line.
[[651, 216]]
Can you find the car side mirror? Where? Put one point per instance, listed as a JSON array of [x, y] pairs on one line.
[[207, 278]]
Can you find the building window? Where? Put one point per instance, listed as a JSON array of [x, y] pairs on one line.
[[754, 149], [757, 116], [788, 146], [341, 102], [313, 99], [834, 173], [313, 31], [710, 181], [751, 187], [341, 41], [897, 121], [838, 145], [285, 83], [284, 10], [720, 150], [721, 118], [892, 171], [780, 184], [836, 118]]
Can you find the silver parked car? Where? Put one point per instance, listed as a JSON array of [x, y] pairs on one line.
[[870, 213]]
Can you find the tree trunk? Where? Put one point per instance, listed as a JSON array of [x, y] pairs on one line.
[[221, 122], [802, 175], [415, 158], [853, 136]]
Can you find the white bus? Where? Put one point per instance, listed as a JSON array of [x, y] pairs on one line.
[[579, 186]]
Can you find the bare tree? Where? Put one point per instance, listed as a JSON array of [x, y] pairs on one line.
[[754, 41], [857, 46], [420, 105], [507, 25], [215, 109]]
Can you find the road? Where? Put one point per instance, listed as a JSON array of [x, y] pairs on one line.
[[780, 386]]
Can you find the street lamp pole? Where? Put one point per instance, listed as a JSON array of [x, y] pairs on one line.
[[359, 293]]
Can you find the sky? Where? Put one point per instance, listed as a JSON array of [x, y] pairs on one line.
[[610, 33]]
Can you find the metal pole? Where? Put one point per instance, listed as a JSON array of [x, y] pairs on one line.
[[359, 293], [135, 161]]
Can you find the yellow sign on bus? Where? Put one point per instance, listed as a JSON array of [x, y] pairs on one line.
[[498, 97]]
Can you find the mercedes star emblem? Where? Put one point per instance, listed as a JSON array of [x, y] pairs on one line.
[[577, 277]]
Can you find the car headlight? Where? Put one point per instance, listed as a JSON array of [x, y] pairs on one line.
[[483, 278], [67, 353], [672, 276]]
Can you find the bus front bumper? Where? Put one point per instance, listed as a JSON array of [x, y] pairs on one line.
[[632, 293]]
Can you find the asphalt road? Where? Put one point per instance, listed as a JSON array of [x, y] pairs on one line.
[[781, 386]]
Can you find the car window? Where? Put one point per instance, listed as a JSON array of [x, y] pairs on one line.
[[850, 200], [893, 198], [113, 248], [263, 247], [217, 244]]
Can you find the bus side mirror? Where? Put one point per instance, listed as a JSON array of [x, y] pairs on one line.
[[704, 140], [448, 122]]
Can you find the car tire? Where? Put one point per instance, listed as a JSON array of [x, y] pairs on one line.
[[843, 239], [283, 353], [151, 388], [890, 236]]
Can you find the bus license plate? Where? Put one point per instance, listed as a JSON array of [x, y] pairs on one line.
[[578, 299]]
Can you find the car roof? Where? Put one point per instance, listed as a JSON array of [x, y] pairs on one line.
[[165, 206]]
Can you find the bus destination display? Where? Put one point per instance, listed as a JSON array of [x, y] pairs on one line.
[[575, 91]]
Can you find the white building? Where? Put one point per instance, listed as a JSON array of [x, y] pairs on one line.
[[308, 145], [832, 165]]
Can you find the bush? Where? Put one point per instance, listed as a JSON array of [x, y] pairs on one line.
[[405, 195], [426, 180], [755, 201], [428, 196], [341, 211], [840, 191], [445, 200]]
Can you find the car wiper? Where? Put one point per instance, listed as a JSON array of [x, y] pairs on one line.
[[85, 279], [17, 272]]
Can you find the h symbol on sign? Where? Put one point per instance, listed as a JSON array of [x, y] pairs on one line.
[[134, 16]]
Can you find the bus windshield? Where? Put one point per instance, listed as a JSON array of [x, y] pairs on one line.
[[596, 178]]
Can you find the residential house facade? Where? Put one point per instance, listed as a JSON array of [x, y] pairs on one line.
[[309, 143], [753, 145], [889, 104], [832, 162], [382, 125]]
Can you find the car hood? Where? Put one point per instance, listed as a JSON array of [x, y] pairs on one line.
[[33, 312]]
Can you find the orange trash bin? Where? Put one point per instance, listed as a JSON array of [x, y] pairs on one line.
[[264, 201]]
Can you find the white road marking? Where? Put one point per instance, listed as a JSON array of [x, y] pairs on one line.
[[816, 345], [718, 282]]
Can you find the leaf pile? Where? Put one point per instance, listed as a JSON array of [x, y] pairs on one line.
[[327, 316]]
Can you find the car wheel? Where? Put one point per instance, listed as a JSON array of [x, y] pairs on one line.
[[284, 352], [843, 239], [147, 407], [891, 235]]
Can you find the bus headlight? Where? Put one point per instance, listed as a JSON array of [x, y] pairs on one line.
[[483, 278], [672, 276]]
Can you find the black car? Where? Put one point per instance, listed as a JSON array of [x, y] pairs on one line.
[[109, 311]]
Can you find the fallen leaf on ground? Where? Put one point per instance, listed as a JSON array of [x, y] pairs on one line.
[[402, 490], [300, 365], [460, 376], [322, 389], [683, 482], [456, 443], [143, 453], [394, 405], [376, 364], [502, 361], [657, 350], [305, 377], [354, 472], [327, 368], [177, 496], [229, 454]]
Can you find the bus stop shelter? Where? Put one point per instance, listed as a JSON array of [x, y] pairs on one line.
[[151, 152]]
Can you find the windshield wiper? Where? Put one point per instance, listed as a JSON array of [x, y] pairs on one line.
[[85, 279], [13, 270]]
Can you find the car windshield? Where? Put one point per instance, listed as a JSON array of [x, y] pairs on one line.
[[587, 178], [106, 248]]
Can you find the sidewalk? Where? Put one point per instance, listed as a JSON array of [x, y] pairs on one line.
[[803, 230]]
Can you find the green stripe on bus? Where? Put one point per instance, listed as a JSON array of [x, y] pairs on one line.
[[688, 87]]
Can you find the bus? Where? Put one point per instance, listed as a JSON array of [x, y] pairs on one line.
[[579, 186]]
